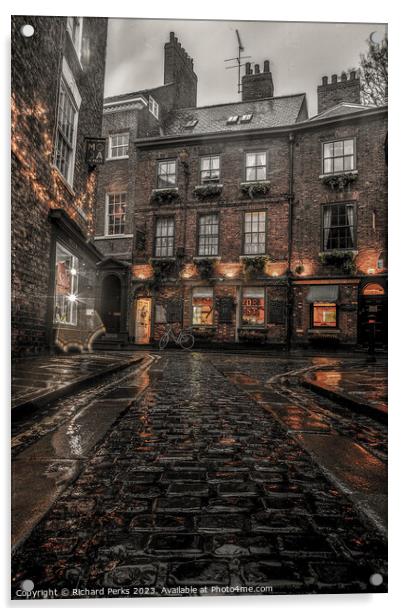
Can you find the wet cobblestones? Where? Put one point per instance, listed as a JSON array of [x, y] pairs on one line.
[[198, 484]]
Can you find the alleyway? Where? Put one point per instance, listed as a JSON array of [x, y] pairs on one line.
[[204, 471]]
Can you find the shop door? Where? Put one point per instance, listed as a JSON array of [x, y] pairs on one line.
[[111, 304], [373, 313], [143, 320]]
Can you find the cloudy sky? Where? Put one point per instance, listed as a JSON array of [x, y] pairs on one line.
[[299, 54]]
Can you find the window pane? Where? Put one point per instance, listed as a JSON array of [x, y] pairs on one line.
[[261, 158], [250, 174], [338, 148], [338, 164], [261, 173], [324, 314], [205, 163], [250, 160], [66, 286], [349, 163], [328, 150], [327, 165], [348, 146]]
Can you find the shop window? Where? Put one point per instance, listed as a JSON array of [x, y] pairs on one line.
[[66, 286], [203, 306], [338, 156], [324, 314], [208, 235], [209, 169], [118, 145], [254, 233], [166, 174], [164, 238], [338, 227], [253, 307], [116, 211], [256, 163]]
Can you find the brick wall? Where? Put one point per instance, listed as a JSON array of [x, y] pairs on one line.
[[36, 186]]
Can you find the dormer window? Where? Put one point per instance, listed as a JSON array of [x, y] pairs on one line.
[[246, 117], [154, 107], [232, 119], [190, 124], [75, 28]]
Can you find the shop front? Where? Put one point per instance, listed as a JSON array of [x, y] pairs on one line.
[[373, 313]]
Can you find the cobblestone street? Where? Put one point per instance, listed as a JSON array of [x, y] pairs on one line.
[[212, 471]]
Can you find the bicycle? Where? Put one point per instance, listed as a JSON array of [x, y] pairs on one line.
[[184, 338]]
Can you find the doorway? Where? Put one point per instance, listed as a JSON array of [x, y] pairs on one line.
[[143, 311], [373, 311], [111, 304]]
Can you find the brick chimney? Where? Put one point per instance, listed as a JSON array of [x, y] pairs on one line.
[[347, 90], [257, 85], [178, 69]]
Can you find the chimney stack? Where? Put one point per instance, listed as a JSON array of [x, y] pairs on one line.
[[257, 85], [179, 70], [343, 91]]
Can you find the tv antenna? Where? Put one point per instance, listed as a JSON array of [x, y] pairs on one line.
[[238, 59]]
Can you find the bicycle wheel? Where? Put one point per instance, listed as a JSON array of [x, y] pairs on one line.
[[186, 340], [163, 341]]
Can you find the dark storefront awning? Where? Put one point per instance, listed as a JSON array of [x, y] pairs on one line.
[[323, 293]]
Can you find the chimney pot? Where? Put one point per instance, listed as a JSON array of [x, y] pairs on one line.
[[248, 70], [324, 81], [257, 69], [266, 68], [343, 77], [334, 78], [353, 75]]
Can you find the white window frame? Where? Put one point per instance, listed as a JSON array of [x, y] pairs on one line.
[[74, 287], [110, 137], [72, 89], [153, 107], [107, 212], [256, 154], [79, 43], [252, 232], [343, 156]]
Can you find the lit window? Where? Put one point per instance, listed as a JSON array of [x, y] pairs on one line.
[[256, 163], [338, 226], [154, 107], [208, 235], [203, 306], [66, 286], [166, 174], [254, 233], [246, 117], [75, 29], [119, 145], [232, 119], [324, 314], [338, 156], [116, 211], [253, 306], [164, 237], [66, 132], [209, 169], [190, 124]]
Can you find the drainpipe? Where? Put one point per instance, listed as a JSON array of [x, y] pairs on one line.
[[290, 296]]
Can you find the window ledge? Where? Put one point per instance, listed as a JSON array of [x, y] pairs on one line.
[[208, 257], [327, 175], [321, 330], [258, 254], [253, 182], [113, 237], [163, 259], [110, 159], [162, 191], [216, 184], [333, 250]]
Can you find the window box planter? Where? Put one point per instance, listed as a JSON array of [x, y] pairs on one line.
[[205, 267], [164, 195], [207, 191], [258, 334], [339, 181], [255, 189], [343, 260], [162, 270], [254, 266], [203, 332]]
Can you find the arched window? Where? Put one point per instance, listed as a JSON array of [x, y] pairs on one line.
[[373, 289]]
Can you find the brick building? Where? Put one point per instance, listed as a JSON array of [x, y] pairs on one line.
[[57, 103], [247, 221]]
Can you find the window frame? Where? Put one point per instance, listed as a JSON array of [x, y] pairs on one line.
[[77, 47], [199, 217], [212, 311], [210, 181], [153, 107], [110, 137], [324, 327], [160, 161], [324, 143], [107, 213], [157, 218], [336, 203], [243, 250], [74, 286], [266, 165], [249, 326]]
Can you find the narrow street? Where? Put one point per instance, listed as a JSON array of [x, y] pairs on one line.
[[200, 470]]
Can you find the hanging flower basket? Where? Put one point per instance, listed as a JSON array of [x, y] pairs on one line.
[[339, 181], [341, 259], [162, 270], [254, 266], [255, 189], [207, 191], [164, 195], [205, 268]]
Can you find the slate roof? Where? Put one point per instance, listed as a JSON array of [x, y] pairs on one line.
[[267, 113], [342, 109]]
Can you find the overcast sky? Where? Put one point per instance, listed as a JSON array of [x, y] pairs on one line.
[[299, 53]]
